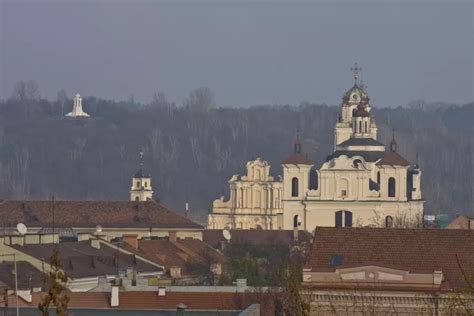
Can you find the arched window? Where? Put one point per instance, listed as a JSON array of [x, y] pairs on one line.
[[366, 129], [391, 187], [343, 219], [146, 184], [137, 198], [378, 177], [360, 126], [138, 184], [294, 187], [313, 179], [389, 221], [296, 221]]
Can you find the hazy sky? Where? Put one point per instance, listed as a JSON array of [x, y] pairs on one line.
[[246, 52]]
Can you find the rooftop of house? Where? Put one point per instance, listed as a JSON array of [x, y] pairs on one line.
[[413, 250], [136, 300], [28, 276], [115, 214], [214, 237], [80, 259], [182, 253]]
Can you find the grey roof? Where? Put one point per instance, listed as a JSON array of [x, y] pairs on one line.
[[80, 260], [369, 156], [361, 142]]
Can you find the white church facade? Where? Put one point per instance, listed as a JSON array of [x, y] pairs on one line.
[[361, 183]]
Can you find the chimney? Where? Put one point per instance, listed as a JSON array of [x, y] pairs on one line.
[[161, 291], [114, 296], [172, 236], [95, 243], [437, 277], [131, 239], [241, 285]]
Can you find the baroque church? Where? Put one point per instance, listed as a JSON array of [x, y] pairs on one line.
[[362, 183]]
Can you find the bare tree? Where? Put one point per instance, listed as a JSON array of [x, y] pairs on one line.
[[62, 99], [200, 99]]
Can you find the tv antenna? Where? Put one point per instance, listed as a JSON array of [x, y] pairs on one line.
[[98, 229], [226, 234], [21, 228]]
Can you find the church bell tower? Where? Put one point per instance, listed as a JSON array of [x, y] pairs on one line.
[[141, 185]]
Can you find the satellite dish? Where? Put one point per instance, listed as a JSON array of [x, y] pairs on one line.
[[98, 229], [226, 234], [21, 228]]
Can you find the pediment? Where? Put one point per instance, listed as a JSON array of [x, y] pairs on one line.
[[371, 274]]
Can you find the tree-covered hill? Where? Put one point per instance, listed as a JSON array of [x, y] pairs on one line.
[[191, 151]]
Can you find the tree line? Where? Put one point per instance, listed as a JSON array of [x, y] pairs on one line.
[[191, 150]]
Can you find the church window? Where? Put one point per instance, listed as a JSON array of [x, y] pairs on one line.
[[378, 177], [137, 198], [344, 193], [343, 219], [294, 187], [347, 219], [313, 180], [146, 184], [339, 218], [389, 221], [391, 187], [138, 184], [296, 221], [360, 127], [366, 128]]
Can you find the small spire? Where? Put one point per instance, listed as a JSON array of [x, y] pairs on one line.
[[393, 143], [297, 144], [355, 70], [140, 157]]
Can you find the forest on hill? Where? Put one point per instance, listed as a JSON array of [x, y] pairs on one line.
[[192, 150]]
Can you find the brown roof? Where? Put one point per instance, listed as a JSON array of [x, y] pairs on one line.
[[210, 301], [80, 260], [413, 250], [297, 159], [214, 237], [393, 159], [93, 213], [178, 253]]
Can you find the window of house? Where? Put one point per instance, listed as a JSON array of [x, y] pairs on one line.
[[347, 219], [343, 193], [339, 218], [391, 187], [389, 221], [313, 180], [294, 187]]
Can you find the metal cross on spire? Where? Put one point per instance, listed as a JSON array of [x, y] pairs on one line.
[[140, 156], [355, 70]]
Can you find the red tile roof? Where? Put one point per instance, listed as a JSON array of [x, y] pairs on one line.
[[297, 159], [214, 237], [413, 250], [211, 301], [93, 213], [393, 159], [178, 253]]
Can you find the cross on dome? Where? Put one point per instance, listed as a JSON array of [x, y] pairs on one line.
[[355, 70]]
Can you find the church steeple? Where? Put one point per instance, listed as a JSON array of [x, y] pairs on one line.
[[141, 184], [297, 143], [393, 143]]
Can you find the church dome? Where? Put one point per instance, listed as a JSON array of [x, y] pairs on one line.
[[355, 94]]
